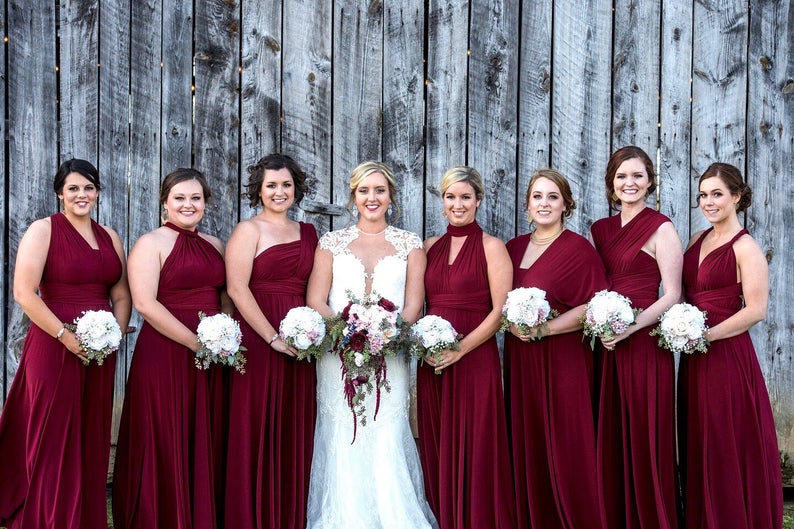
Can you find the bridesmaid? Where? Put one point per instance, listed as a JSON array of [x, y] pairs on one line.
[[164, 468], [549, 383], [272, 406], [729, 455], [636, 435], [462, 426], [55, 426]]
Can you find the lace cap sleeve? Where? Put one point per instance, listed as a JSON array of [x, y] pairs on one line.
[[403, 241], [337, 241]]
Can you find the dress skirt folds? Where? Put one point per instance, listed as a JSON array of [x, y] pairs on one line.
[[164, 471], [55, 426]]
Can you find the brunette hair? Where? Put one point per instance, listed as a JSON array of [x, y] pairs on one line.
[[75, 165], [273, 162], [617, 158], [732, 178], [183, 175], [561, 182]]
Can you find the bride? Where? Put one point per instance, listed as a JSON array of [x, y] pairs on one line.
[[375, 481]]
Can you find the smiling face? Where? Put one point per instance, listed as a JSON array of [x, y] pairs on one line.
[[460, 203], [631, 181], [79, 195], [716, 201], [372, 197], [545, 203], [278, 190], [185, 204]]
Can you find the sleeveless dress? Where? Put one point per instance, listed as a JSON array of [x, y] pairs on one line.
[[636, 433], [549, 392], [163, 475], [376, 481], [55, 426], [730, 466], [461, 414], [272, 405]]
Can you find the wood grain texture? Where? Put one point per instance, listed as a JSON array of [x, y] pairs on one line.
[[5, 300], [176, 79]]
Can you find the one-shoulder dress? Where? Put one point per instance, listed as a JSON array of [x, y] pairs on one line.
[[636, 433], [163, 475], [272, 406], [730, 467], [461, 414], [55, 426], [549, 392]]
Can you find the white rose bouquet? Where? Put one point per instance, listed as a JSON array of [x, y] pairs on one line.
[[607, 315], [526, 307], [98, 333], [432, 334], [304, 329], [219, 337], [682, 329]]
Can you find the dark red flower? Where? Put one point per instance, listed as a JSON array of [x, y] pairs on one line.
[[387, 305], [357, 342], [346, 311], [362, 379]]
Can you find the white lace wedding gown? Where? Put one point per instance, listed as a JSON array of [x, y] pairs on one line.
[[375, 482]]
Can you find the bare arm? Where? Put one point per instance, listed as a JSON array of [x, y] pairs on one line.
[[414, 285], [320, 282]]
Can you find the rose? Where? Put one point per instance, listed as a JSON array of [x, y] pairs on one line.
[[303, 341], [357, 341], [387, 305]]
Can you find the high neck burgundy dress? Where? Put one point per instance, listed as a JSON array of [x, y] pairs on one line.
[[636, 433], [164, 467], [55, 426], [549, 391], [272, 407], [462, 427], [730, 467]]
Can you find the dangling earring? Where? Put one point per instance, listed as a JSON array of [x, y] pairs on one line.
[[614, 196], [389, 210], [164, 216], [61, 204]]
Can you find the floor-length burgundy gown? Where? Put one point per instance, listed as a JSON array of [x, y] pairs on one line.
[[55, 426], [730, 466], [462, 427], [273, 405], [636, 433], [549, 393], [163, 475]]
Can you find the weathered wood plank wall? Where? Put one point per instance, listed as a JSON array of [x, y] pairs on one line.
[[144, 87]]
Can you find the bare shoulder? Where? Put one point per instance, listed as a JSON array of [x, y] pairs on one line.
[[430, 241], [110, 231], [747, 246], [492, 243], [215, 241], [39, 228]]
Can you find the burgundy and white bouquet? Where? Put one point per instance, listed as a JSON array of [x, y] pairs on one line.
[[682, 329], [219, 337], [364, 334], [607, 314], [431, 335], [526, 307], [304, 329], [98, 333]]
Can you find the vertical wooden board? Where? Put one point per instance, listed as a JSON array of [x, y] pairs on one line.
[[674, 169], [493, 112], [770, 157], [216, 129], [306, 100], [260, 130], [5, 181], [357, 90], [445, 100], [113, 159], [403, 107], [79, 79], [635, 75], [534, 96], [581, 88], [32, 134], [176, 64], [719, 88]]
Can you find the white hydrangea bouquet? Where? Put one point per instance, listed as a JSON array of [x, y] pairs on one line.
[[526, 307], [682, 329], [304, 329], [607, 314], [432, 334], [98, 333], [219, 337]]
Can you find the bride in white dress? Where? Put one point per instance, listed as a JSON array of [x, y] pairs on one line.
[[375, 481]]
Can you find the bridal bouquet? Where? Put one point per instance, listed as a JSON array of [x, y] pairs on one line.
[[526, 307], [607, 315], [431, 335], [682, 329], [363, 335], [98, 333], [304, 329], [219, 337]]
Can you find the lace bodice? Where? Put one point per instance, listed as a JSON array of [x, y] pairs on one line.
[[388, 276]]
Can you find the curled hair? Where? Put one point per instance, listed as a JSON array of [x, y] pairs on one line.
[[361, 172], [562, 184], [617, 158], [463, 173], [273, 162], [183, 175], [732, 178], [75, 165]]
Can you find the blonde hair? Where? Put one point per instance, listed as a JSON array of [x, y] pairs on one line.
[[361, 172], [463, 173]]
